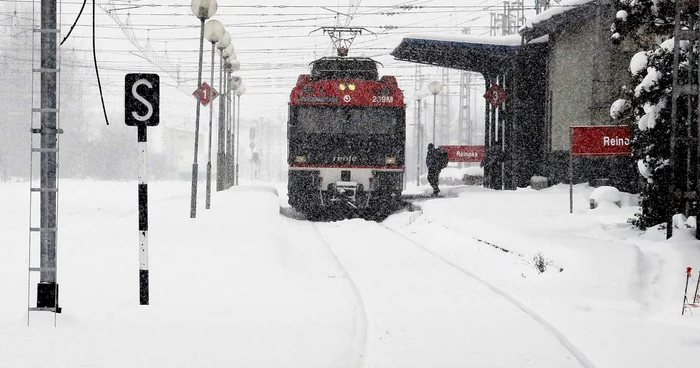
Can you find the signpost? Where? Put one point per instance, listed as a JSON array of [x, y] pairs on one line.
[[141, 109], [596, 141], [464, 153]]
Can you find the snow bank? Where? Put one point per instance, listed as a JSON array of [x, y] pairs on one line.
[[235, 276], [457, 173], [619, 296], [606, 196], [606, 193]]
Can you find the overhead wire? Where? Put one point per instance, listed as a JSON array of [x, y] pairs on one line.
[[74, 23], [97, 71], [258, 59]]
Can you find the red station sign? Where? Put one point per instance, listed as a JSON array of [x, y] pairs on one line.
[[464, 153], [600, 140]]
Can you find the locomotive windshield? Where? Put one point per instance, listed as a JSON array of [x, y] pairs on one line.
[[346, 120]]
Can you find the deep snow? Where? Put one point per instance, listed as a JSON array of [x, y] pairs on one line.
[[244, 286]]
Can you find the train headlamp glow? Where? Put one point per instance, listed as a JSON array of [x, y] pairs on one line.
[[300, 159], [351, 87], [390, 160], [341, 87], [348, 86]]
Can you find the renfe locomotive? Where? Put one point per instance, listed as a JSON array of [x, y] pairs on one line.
[[347, 136]]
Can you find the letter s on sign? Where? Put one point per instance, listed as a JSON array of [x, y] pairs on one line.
[[149, 106]]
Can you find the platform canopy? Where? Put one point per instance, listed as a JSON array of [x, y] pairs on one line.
[[485, 54]]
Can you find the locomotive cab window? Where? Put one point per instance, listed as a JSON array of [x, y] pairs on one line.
[[345, 120]]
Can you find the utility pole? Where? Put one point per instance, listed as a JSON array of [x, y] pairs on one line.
[[445, 108], [47, 291], [418, 131]]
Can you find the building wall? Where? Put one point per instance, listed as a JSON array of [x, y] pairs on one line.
[[586, 74], [570, 81]]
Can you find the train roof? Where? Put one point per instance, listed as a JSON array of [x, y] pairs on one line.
[[342, 67]]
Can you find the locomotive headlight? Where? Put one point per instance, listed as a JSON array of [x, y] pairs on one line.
[[341, 87], [300, 159], [351, 87], [390, 160]]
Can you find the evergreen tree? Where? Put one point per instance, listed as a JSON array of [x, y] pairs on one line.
[[647, 25]]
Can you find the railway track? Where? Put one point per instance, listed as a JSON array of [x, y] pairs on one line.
[[358, 359], [563, 340]]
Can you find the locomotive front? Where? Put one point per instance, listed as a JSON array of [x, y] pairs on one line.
[[346, 133]]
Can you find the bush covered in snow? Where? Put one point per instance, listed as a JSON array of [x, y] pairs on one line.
[[648, 26], [540, 262]]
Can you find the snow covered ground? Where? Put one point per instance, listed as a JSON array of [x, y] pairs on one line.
[[452, 286]]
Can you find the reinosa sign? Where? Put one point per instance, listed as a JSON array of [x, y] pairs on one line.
[[464, 153], [601, 140]]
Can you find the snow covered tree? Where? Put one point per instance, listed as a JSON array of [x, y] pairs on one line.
[[647, 25]]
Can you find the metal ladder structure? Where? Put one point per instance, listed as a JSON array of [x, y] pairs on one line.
[[685, 29], [43, 179]]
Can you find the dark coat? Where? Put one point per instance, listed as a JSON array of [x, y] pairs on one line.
[[431, 159], [436, 159]]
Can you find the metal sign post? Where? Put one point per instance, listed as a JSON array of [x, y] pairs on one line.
[[141, 109]]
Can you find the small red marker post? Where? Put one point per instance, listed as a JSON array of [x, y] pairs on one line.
[[688, 271]]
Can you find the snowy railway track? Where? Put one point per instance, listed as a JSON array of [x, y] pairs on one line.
[[360, 340], [565, 342]]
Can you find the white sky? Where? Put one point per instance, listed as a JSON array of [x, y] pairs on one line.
[[272, 40]]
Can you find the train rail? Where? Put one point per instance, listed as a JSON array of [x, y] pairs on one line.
[[561, 337]]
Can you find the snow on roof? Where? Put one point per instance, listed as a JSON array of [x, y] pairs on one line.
[[561, 8], [508, 40]]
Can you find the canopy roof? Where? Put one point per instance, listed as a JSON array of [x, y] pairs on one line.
[[485, 54]]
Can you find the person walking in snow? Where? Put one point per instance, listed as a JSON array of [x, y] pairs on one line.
[[436, 161]]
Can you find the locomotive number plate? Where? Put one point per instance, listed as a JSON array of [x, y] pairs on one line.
[[383, 99]]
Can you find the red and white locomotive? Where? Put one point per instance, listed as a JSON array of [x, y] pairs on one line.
[[346, 134]]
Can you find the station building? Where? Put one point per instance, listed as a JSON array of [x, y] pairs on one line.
[[561, 70]]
